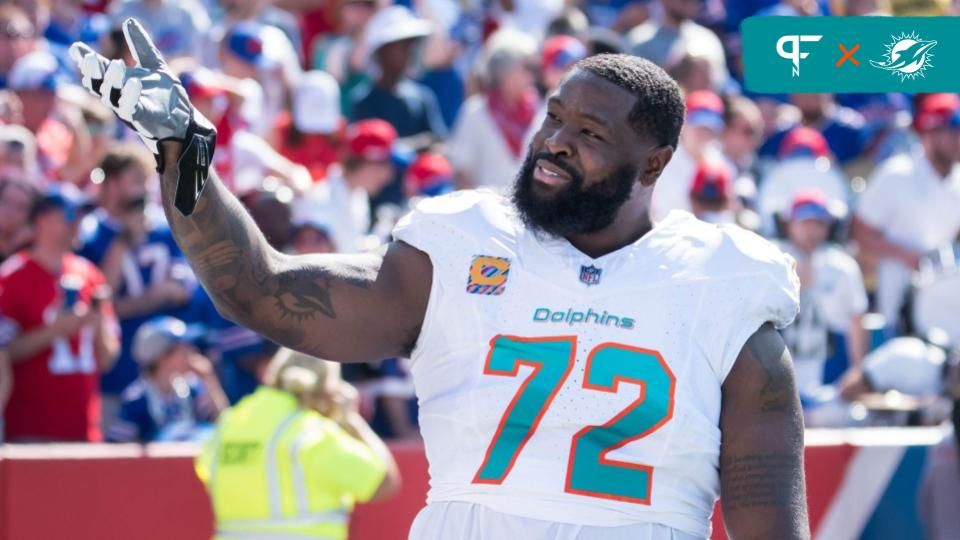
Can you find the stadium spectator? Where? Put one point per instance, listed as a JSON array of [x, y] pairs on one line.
[[804, 164], [388, 389], [691, 71], [100, 125], [742, 137], [243, 159], [832, 296], [18, 154], [842, 127], [180, 27], [137, 254], [908, 365], [177, 393], [17, 39], [429, 175], [263, 13], [263, 55], [409, 107], [16, 198], [312, 235], [910, 205], [345, 197], [272, 214], [312, 415], [673, 29], [66, 330], [617, 15], [487, 146], [239, 354], [311, 133], [699, 140], [61, 138], [342, 54], [711, 193]]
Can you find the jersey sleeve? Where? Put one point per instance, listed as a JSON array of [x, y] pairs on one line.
[[347, 465], [452, 230], [764, 288], [447, 226]]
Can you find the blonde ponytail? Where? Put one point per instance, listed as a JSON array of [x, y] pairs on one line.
[[302, 375]]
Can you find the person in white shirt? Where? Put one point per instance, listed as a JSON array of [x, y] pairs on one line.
[[488, 141], [832, 296], [671, 29], [344, 198], [911, 203]]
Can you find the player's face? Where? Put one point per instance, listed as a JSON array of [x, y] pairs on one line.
[[584, 162]]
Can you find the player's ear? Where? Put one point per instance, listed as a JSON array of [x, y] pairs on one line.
[[656, 161]]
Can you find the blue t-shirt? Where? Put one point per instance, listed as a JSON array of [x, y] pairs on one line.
[[155, 260], [147, 415], [845, 132], [411, 108]]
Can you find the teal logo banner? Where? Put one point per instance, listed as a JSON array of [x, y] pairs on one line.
[[851, 54]]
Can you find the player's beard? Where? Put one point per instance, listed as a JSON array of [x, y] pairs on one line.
[[574, 209]]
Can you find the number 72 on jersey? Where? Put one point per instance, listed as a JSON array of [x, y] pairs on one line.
[[589, 471]]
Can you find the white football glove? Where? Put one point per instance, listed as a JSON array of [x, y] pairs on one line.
[[152, 101]]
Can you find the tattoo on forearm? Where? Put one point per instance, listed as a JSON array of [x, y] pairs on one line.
[[760, 480], [220, 240]]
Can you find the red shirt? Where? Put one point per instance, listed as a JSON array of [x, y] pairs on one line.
[[315, 152], [56, 393]]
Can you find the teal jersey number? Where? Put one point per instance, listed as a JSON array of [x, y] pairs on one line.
[[589, 471], [551, 360]]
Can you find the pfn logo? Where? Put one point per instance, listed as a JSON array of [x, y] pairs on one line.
[[794, 54]]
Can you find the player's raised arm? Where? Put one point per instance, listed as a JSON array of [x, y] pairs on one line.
[[761, 456], [339, 307]]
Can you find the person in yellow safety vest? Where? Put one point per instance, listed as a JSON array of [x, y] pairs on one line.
[[291, 459]]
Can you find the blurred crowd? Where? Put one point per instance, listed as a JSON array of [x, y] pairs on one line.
[[334, 116]]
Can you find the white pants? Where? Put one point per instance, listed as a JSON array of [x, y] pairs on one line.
[[467, 521]]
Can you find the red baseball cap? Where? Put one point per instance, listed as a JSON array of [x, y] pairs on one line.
[[430, 174], [711, 182], [200, 84], [371, 140], [561, 52], [705, 108], [936, 111], [810, 204], [805, 141]]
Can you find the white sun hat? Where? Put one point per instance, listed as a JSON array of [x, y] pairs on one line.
[[392, 24]]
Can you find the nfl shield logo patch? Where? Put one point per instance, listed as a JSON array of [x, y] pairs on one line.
[[590, 275]]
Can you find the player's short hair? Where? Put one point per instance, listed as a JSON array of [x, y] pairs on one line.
[[659, 109], [122, 156]]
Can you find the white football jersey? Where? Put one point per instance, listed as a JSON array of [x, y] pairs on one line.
[[558, 387]]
